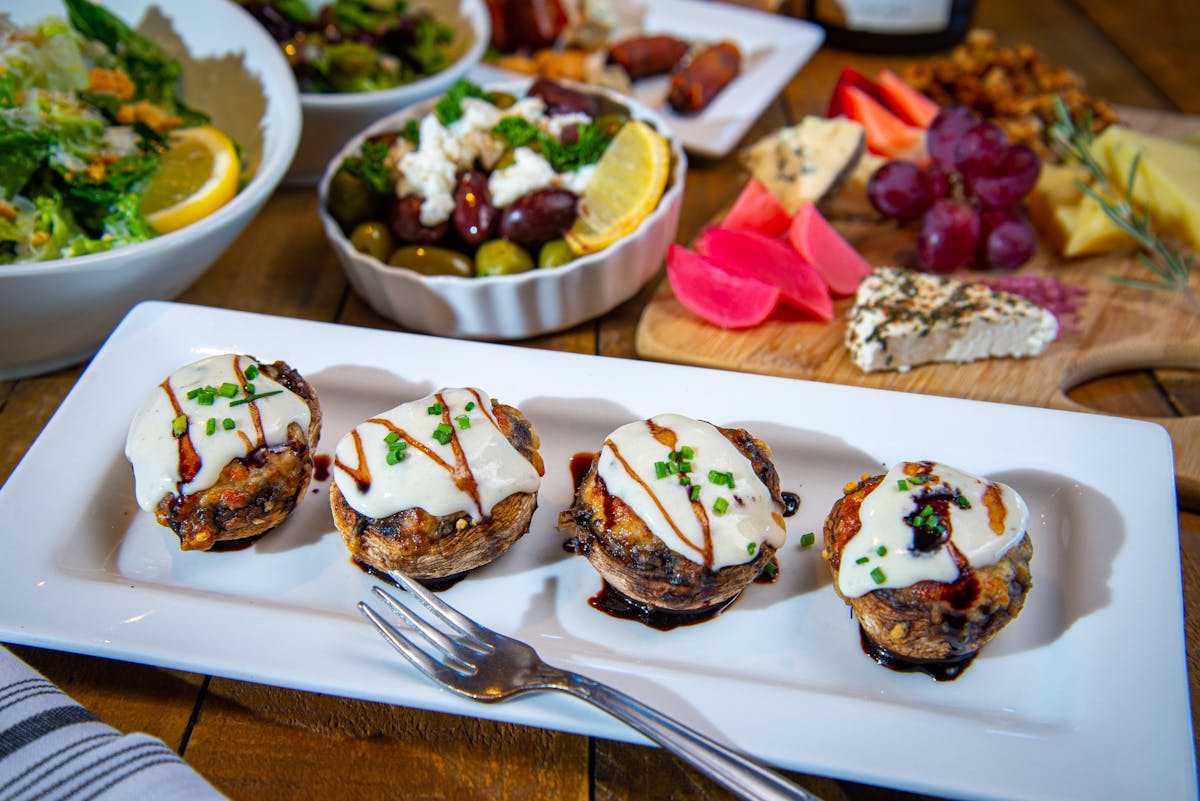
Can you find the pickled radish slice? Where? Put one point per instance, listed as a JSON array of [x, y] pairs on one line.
[[757, 209], [772, 261], [717, 295], [827, 251]]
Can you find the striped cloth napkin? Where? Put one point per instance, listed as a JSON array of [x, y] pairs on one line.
[[52, 748]]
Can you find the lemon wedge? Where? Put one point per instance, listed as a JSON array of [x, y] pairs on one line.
[[198, 175], [626, 186]]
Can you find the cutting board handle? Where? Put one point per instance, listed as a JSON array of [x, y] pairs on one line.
[[1184, 431]]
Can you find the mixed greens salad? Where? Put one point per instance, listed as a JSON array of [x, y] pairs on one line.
[[85, 107], [355, 45]]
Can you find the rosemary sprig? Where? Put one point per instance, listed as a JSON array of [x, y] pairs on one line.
[[1171, 266]]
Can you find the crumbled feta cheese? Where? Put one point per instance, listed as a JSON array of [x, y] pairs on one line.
[[430, 172], [529, 171]]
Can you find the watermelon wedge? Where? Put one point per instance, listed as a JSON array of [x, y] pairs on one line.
[[717, 295], [887, 134], [757, 209], [827, 251], [906, 102], [771, 261]]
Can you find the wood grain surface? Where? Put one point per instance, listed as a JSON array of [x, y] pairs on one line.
[[253, 741]]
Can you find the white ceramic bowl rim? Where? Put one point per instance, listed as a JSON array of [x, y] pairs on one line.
[[274, 164], [398, 95], [392, 123]]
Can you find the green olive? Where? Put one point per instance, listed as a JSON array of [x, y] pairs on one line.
[[503, 99], [432, 260], [350, 199], [507, 159], [501, 257], [555, 253], [373, 238], [610, 123]]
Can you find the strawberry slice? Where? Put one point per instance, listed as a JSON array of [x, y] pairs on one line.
[[757, 209], [827, 251], [717, 295], [771, 261], [887, 134], [907, 103]]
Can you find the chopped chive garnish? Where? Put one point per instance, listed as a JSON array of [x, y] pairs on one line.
[[862, 560], [695, 494], [672, 467], [685, 467], [877, 576], [928, 510], [881, 550], [902, 485], [210, 426], [250, 398], [463, 421], [206, 397], [807, 539], [684, 479], [686, 452], [228, 424], [193, 394], [179, 425], [251, 372], [443, 433], [720, 506], [770, 569], [435, 409], [398, 446], [751, 547], [660, 469], [962, 502], [391, 437], [395, 456], [729, 480], [250, 388], [228, 390], [674, 456], [918, 479], [715, 477], [470, 405]]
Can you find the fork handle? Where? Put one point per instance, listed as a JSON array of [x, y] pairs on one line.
[[727, 767]]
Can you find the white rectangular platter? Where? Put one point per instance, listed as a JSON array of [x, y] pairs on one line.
[[1084, 696], [774, 47]]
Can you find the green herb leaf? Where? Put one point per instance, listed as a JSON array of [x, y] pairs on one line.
[[807, 539]]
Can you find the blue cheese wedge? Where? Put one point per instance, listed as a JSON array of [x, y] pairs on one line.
[[902, 318], [808, 161]]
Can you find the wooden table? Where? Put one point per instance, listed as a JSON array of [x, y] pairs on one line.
[[255, 741]]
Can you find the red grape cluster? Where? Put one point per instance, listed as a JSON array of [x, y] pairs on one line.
[[968, 200]]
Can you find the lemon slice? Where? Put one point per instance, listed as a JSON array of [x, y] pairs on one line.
[[197, 176], [626, 186]]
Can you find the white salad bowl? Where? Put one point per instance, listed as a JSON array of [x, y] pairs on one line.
[[526, 304], [330, 119], [56, 313]]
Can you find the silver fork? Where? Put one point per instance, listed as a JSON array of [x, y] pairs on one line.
[[481, 664]]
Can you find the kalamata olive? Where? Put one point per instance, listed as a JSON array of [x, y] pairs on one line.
[[350, 199], [280, 27], [474, 213], [432, 260], [538, 216], [404, 218], [373, 238], [536, 23], [501, 257], [561, 100], [555, 253]]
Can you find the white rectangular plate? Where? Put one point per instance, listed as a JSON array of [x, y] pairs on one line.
[[774, 47], [1084, 696]]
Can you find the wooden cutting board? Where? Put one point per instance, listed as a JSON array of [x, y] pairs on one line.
[[1120, 328]]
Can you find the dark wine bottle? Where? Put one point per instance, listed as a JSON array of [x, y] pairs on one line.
[[892, 26]]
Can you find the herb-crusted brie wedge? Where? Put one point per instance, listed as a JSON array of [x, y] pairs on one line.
[[902, 318]]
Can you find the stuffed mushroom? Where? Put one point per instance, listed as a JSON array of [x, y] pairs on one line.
[[933, 561], [438, 486], [223, 448], [678, 515]]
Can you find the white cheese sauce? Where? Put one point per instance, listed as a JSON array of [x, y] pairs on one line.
[[454, 459], [900, 544], [720, 517], [161, 457]]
